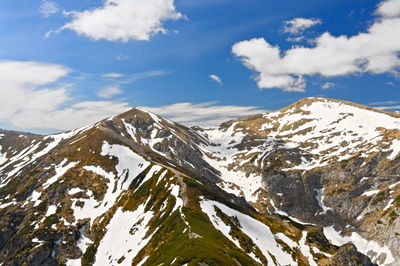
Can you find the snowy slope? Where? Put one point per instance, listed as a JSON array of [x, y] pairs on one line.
[[139, 189]]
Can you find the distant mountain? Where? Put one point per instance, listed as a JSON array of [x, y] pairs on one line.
[[315, 183]]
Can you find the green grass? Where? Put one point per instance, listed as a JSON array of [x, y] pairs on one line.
[[379, 197]]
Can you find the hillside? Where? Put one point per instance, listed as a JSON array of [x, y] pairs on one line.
[[290, 187]]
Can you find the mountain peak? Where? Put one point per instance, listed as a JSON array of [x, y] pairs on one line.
[[330, 103], [138, 189]]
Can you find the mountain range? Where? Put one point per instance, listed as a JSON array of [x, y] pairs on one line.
[[315, 183]]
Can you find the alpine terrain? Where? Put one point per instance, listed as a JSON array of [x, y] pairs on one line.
[[315, 183]]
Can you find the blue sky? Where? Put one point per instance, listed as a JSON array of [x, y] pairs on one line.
[[71, 67]]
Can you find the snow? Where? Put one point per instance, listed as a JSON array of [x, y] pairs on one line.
[[142, 261], [51, 210], [92, 208], [74, 190], [230, 188], [4, 205], [130, 129], [125, 236], [34, 197], [364, 178], [225, 153], [395, 147], [60, 169], [3, 156], [78, 139], [320, 200], [257, 231], [161, 176], [370, 248], [153, 170], [175, 192], [129, 166], [337, 131], [153, 116], [76, 262], [393, 185], [333, 123], [82, 243], [31, 153], [282, 213], [370, 193], [305, 250], [390, 204]]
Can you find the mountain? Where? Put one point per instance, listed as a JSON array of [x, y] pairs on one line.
[[315, 183]]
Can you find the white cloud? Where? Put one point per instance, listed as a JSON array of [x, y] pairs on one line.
[[73, 116], [123, 20], [20, 87], [203, 114], [386, 108], [385, 105], [48, 8], [29, 99], [109, 91], [298, 25], [216, 79], [390, 102], [327, 85], [295, 39], [143, 75], [112, 75], [121, 79], [121, 57], [389, 8], [374, 51]]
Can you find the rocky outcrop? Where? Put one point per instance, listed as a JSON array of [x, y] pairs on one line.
[[347, 255], [296, 170]]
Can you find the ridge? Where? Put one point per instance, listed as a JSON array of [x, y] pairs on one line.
[[285, 187]]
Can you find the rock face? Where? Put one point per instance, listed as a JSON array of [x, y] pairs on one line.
[[347, 255], [290, 187]]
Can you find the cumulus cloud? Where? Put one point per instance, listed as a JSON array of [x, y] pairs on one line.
[[48, 8], [123, 20], [216, 79], [298, 25], [389, 8], [30, 98], [327, 85], [374, 51], [203, 114]]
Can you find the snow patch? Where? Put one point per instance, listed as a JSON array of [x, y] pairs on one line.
[[60, 169], [51, 210], [257, 231], [370, 193], [125, 237], [370, 248]]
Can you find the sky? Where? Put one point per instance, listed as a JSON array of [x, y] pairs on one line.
[[65, 64]]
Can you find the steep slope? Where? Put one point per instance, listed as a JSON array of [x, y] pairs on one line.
[[139, 189], [341, 159]]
